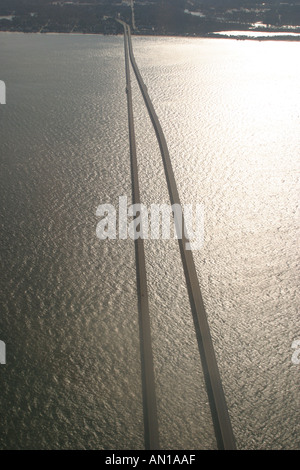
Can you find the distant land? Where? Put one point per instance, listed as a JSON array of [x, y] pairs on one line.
[[151, 17]]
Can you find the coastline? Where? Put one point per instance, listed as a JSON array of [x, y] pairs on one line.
[[270, 36]]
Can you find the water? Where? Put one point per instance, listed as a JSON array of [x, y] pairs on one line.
[[230, 113]]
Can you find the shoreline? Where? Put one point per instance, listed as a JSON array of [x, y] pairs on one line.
[[275, 36]]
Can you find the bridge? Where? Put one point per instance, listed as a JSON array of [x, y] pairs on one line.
[[220, 415]]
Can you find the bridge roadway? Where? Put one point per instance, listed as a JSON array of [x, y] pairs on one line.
[[222, 424], [148, 381]]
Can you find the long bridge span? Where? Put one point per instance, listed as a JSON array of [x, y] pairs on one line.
[[220, 415]]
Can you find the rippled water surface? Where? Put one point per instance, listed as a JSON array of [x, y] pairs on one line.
[[69, 318]]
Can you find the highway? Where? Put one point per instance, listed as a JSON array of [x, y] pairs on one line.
[[220, 415], [148, 381]]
